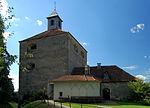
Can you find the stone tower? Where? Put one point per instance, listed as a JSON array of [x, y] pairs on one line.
[[55, 53]]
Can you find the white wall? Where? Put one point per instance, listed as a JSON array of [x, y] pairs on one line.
[[76, 89]]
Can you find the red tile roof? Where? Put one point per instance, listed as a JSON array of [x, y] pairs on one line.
[[44, 34], [115, 73], [74, 78]]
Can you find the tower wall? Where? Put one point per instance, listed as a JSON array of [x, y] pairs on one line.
[[76, 59], [56, 22], [50, 59]]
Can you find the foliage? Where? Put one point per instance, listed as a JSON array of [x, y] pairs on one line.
[[139, 90], [15, 97], [6, 59], [146, 101], [33, 97]]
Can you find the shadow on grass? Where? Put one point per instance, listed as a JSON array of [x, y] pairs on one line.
[[6, 106]]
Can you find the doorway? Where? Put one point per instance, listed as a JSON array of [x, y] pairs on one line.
[[106, 94]]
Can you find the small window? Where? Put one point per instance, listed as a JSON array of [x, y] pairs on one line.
[[75, 48], [60, 94], [30, 66], [82, 54], [52, 22], [32, 46], [59, 24]]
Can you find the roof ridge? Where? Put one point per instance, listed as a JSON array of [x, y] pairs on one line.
[[43, 33]]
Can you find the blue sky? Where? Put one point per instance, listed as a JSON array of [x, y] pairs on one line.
[[114, 32]]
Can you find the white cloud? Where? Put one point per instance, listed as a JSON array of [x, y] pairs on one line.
[[3, 8], [39, 22], [85, 43], [6, 36], [145, 57], [141, 77], [137, 28], [27, 18], [140, 26], [130, 67], [16, 25], [15, 80]]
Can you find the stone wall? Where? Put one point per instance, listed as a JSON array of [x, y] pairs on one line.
[[78, 88], [53, 57], [118, 90], [50, 59], [75, 57]]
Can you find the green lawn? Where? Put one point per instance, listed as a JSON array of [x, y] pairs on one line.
[[121, 105], [14, 104], [37, 104]]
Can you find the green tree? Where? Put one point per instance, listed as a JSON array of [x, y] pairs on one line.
[[6, 59], [139, 90]]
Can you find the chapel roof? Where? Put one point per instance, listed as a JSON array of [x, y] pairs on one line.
[[74, 78], [115, 73]]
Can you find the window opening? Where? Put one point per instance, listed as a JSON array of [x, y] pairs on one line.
[[30, 66], [52, 22], [76, 48], [60, 94]]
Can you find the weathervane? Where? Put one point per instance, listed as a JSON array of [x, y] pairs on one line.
[[54, 5]]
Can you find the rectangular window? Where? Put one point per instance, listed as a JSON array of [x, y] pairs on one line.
[[60, 94], [32, 46]]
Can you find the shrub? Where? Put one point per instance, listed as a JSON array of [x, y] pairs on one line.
[[139, 90], [33, 97]]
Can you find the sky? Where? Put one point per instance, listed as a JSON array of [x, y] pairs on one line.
[[114, 32]]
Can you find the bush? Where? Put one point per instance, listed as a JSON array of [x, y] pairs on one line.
[[33, 97], [139, 90], [146, 101]]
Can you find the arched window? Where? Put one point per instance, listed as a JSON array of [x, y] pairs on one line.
[[52, 22]]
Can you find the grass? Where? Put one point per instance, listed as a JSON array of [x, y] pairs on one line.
[[14, 104], [122, 104], [10, 105], [37, 104]]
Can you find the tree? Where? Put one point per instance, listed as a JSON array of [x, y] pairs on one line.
[[6, 59], [139, 90]]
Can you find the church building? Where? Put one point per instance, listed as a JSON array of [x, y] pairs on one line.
[[59, 65]]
